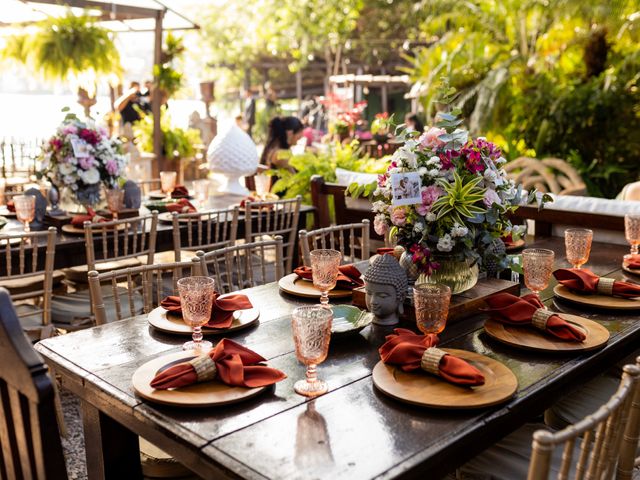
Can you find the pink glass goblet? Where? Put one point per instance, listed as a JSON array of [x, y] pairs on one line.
[[168, 183], [431, 301], [577, 242], [324, 268], [25, 209], [115, 201], [196, 300], [537, 264]]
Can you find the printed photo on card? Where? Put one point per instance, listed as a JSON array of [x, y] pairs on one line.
[[405, 188], [80, 148]]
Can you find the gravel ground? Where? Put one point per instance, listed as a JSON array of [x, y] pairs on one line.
[[73, 444]]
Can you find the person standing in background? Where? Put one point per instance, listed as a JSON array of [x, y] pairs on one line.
[[127, 103], [249, 113]]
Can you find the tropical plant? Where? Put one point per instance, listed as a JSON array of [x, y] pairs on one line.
[[168, 79], [176, 142]]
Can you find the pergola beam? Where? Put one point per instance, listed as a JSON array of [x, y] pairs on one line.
[[121, 12]]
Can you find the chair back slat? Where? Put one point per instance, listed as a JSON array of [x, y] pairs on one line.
[[30, 446], [358, 247], [243, 266], [204, 230], [278, 217], [630, 439]]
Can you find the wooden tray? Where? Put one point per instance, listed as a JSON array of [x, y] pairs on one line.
[[295, 285], [514, 246], [172, 323], [421, 388], [600, 301], [73, 230], [206, 394], [530, 338]]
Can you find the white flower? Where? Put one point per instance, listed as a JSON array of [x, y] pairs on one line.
[[434, 172], [379, 207], [445, 243], [90, 176], [430, 217], [434, 161], [395, 170], [490, 175], [422, 171], [411, 144], [66, 169], [519, 229], [501, 161], [459, 230], [418, 227], [68, 179]]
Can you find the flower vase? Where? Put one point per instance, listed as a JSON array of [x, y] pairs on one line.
[[459, 275]]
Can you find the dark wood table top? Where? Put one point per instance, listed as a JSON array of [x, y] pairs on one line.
[[354, 431]]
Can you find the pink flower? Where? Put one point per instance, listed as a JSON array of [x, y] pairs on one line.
[[429, 139], [69, 130], [382, 180], [491, 197], [399, 216], [112, 167], [429, 196], [86, 162], [380, 225]]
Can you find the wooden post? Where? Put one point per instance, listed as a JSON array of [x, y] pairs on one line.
[[299, 90], [156, 100]]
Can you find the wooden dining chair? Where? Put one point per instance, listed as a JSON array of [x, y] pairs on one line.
[[271, 218], [30, 446], [26, 271], [204, 231], [244, 266], [351, 240], [135, 290]]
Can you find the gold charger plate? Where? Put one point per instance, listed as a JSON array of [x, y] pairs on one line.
[[160, 195], [632, 271], [205, 394], [515, 245], [602, 301], [421, 388], [530, 338], [167, 217], [295, 285], [171, 323], [73, 230]]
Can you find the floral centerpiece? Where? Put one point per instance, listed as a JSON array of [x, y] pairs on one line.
[[81, 157], [462, 199]]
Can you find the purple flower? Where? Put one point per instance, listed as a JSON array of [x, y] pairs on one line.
[[112, 167], [86, 162]]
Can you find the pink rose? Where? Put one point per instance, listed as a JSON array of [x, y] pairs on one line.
[[429, 196], [380, 225], [399, 216], [112, 167], [429, 139], [85, 162]]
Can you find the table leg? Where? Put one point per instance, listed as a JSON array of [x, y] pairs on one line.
[[112, 450]]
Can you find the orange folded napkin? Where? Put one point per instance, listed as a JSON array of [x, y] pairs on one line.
[[529, 310], [229, 362], [91, 216], [180, 191], [181, 206], [222, 311], [11, 206], [585, 281], [412, 351], [348, 278], [385, 251], [634, 262], [251, 198]]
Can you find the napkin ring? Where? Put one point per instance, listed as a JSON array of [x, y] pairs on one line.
[[605, 286], [430, 361], [540, 318], [205, 368]]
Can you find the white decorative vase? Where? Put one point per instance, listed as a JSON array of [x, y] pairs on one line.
[[232, 155]]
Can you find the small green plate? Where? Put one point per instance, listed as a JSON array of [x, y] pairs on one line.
[[159, 205], [348, 319]]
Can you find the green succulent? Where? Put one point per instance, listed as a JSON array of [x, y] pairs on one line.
[[459, 199]]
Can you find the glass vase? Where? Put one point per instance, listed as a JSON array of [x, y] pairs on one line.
[[458, 275]]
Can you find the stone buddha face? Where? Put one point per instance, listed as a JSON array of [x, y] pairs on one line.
[[383, 301]]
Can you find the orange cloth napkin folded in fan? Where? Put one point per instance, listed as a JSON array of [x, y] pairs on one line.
[[405, 349], [236, 366], [181, 206], [512, 310], [91, 216], [348, 278], [582, 280], [221, 313], [179, 191]]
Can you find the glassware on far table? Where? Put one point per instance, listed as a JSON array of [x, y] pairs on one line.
[[168, 183], [324, 269], [196, 300], [577, 242], [311, 334], [263, 185], [201, 191], [537, 264], [115, 201], [25, 209], [431, 301], [632, 231]]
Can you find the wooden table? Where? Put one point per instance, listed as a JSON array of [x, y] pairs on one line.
[[352, 432]]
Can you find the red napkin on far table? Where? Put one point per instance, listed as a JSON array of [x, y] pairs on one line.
[[405, 349], [11, 206], [634, 262], [507, 308], [236, 366], [91, 216], [251, 198], [221, 313], [182, 205], [348, 278], [385, 251], [582, 280]]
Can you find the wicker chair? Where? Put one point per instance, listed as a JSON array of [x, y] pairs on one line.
[[551, 175], [244, 266], [26, 271], [268, 219], [334, 238]]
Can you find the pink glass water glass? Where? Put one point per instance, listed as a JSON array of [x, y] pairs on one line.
[[632, 231], [168, 183], [311, 328], [196, 300], [325, 265], [25, 209], [431, 302], [115, 201], [537, 264], [577, 242]]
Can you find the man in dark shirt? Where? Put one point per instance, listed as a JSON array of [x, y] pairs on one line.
[[127, 102]]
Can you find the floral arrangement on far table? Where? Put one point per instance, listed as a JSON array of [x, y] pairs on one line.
[[82, 157], [463, 197]]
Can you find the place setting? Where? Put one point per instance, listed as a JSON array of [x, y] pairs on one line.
[[631, 261]]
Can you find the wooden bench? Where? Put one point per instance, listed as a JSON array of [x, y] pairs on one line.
[[546, 218]]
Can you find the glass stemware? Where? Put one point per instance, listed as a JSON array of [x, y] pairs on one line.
[[201, 189], [168, 183], [115, 201], [25, 209], [537, 264], [263, 184], [324, 269], [431, 301], [632, 231], [577, 242], [196, 300], [311, 327]]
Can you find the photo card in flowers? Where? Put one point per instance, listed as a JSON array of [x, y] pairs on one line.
[[406, 188]]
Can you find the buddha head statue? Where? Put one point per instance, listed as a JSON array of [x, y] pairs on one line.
[[386, 288]]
